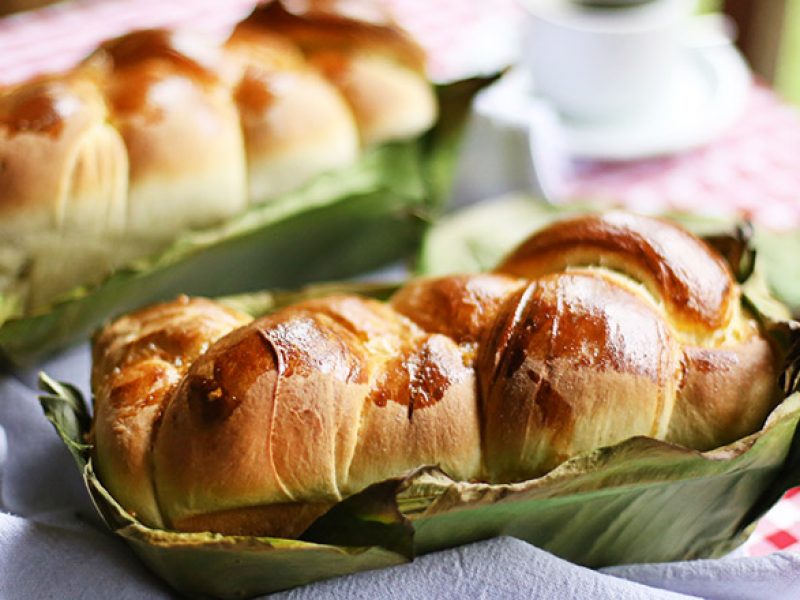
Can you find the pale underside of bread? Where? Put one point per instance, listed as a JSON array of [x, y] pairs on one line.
[[725, 393]]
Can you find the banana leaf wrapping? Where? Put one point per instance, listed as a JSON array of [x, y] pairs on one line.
[[641, 500], [341, 224]]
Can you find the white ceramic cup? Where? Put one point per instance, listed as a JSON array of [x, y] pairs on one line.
[[601, 64]]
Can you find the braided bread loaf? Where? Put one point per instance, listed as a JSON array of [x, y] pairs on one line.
[[159, 132], [595, 330]]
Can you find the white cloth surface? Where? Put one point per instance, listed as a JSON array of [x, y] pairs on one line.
[[52, 544]]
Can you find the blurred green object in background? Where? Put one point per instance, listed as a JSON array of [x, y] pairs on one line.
[[788, 76], [704, 6]]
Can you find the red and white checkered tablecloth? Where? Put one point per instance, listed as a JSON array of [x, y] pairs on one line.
[[779, 529], [752, 170]]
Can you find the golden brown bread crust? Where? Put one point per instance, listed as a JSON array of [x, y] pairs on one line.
[[461, 307], [579, 360], [12, 6], [490, 377], [295, 123], [137, 361], [308, 405], [158, 132], [376, 65], [181, 130], [389, 101], [344, 25], [45, 119], [694, 284], [723, 393], [63, 180]]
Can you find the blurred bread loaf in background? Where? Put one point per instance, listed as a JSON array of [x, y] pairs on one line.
[[157, 133], [379, 73], [294, 121]]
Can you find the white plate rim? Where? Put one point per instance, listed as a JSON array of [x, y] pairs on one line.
[[730, 82]]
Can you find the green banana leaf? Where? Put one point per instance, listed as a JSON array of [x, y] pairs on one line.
[[341, 224], [476, 239], [638, 501]]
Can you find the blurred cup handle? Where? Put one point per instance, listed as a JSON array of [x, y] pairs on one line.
[[709, 30]]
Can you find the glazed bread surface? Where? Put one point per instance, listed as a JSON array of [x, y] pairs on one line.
[[157, 133], [208, 420], [376, 67], [181, 130], [295, 123]]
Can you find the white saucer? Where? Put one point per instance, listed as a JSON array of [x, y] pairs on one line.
[[708, 93]]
